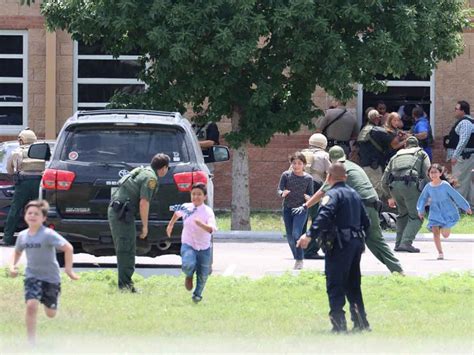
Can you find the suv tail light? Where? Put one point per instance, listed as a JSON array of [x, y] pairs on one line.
[[185, 181], [57, 179]]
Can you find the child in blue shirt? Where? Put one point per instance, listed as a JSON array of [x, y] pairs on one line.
[[444, 202]]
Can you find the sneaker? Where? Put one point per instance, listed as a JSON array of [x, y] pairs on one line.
[[408, 248], [188, 283], [440, 256], [196, 299], [298, 265]]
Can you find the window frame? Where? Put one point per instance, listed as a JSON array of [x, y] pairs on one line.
[[14, 129], [404, 83], [104, 81]]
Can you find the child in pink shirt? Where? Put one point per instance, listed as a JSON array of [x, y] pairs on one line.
[[199, 222]]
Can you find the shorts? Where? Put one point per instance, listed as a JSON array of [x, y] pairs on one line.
[[45, 292]]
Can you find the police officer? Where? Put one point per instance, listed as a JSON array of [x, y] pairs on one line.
[[317, 165], [134, 193], [27, 176], [340, 225], [374, 143], [359, 181], [339, 125], [403, 180], [208, 136]]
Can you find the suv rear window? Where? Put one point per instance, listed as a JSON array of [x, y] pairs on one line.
[[120, 144]]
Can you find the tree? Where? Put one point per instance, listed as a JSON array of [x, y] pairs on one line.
[[258, 62]]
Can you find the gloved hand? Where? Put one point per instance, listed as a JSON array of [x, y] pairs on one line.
[[298, 210]]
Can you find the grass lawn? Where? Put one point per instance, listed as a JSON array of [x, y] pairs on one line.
[[272, 221], [275, 314]]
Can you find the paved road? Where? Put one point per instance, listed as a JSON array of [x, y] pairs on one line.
[[258, 259]]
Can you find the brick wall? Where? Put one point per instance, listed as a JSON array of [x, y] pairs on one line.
[[17, 17], [64, 78]]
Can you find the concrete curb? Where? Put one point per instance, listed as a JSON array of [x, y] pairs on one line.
[[278, 237]]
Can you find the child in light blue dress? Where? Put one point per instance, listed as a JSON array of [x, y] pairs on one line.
[[444, 202]]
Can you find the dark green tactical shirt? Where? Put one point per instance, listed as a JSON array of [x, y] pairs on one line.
[[140, 183]]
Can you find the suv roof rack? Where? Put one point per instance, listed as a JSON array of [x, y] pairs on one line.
[[124, 112]]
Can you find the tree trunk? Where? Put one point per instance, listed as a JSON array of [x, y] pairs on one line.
[[240, 219]]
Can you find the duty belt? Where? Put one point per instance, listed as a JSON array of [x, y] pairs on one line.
[[405, 178]]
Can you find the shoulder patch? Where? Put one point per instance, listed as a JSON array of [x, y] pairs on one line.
[[152, 184], [325, 200]]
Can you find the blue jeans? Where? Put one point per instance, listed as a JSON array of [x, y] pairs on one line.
[[196, 261], [294, 228]]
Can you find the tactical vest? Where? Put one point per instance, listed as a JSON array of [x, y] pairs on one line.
[[407, 163], [28, 164], [452, 139], [364, 133], [309, 155]]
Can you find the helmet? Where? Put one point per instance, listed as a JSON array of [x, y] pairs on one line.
[[27, 136], [411, 142], [336, 154], [318, 140]]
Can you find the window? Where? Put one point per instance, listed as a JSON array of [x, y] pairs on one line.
[[97, 76], [137, 145], [401, 96], [13, 81]]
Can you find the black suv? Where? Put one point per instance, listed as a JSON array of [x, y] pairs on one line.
[[95, 149]]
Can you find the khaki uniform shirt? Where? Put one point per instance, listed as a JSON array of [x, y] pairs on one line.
[[18, 162], [343, 129]]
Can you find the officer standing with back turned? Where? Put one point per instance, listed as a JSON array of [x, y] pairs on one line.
[[340, 226], [403, 180], [27, 176], [134, 193]]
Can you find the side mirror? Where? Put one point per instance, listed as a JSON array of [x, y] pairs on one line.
[[218, 153], [39, 151]]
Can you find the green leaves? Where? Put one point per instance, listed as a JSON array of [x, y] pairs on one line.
[[264, 57]]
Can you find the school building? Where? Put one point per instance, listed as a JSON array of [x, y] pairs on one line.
[[45, 77]]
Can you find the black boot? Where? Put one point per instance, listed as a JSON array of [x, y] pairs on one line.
[[360, 320], [338, 322]]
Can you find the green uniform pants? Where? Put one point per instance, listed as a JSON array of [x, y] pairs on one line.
[[25, 191], [377, 245], [408, 223], [124, 236], [313, 246]]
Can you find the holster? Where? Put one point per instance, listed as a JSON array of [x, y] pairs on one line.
[[123, 210], [326, 241]]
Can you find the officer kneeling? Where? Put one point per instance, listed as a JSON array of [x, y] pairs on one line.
[[340, 228]]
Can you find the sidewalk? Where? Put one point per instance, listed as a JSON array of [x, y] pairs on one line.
[[278, 237]]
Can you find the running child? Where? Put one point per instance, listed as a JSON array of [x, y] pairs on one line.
[[295, 187], [199, 222], [444, 203], [42, 279]]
